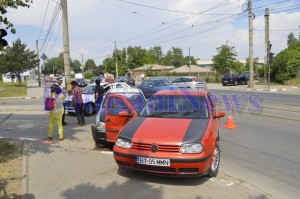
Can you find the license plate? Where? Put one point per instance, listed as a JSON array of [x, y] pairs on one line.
[[225, 81], [153, 161]]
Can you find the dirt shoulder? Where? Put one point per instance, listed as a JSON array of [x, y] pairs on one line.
[[10, 169]]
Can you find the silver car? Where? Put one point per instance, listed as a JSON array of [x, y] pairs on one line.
[[189, 82]]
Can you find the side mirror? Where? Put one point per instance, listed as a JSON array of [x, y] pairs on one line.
[[219, 114], [123, 114]]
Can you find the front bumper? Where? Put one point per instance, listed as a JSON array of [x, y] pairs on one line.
[[99, 135], [179, 166]]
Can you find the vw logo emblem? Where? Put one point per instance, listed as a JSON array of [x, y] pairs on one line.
[[153, 148]]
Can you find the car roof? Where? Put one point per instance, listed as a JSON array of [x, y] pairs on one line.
[[183, 91], [124, 90]]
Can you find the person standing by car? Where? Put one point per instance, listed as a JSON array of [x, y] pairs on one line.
[[57, 113], [59, 81], [78, 103], [99, 92]]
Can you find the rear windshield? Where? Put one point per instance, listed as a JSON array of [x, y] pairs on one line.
[[136, 100]]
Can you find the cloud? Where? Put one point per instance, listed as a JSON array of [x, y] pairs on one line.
[[94, 25]]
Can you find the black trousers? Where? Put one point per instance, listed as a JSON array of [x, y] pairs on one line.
[[79, 108], [63, 117]]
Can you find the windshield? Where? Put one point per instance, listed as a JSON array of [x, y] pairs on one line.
[[176, 106], [90, 89]]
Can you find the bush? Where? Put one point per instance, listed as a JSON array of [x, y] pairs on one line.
[[292, 82]]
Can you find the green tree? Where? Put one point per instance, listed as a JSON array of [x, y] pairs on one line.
[[286, 64], [224, 61], [109, 65], [56, 63], [17, 59], [76, 66], [135, 56], [4, 5], [154, 55], [174, 57], [292, 41], [89, 64]]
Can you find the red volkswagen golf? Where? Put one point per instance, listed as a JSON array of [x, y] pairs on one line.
[[176, 133]]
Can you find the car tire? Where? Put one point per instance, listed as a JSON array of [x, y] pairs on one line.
[[89, 109], [246, 82], [224, 84], [215, 163]]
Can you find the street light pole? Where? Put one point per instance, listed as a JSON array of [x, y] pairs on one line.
[[39, 68]]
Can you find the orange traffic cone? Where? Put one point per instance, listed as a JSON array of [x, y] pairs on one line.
[[230, 122]]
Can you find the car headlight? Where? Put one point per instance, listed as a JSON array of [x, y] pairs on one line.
[[123, 143], [100, 125], [191, 148]]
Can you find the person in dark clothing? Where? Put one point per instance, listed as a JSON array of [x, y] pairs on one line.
[[78, 103], [99, 92]]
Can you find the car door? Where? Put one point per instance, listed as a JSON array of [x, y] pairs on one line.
[[117, 113], [176, 82]]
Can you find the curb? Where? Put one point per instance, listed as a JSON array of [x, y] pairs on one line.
[[24, 183], [268, 89], [7, 98]]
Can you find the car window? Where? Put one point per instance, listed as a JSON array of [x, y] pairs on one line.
[[115, 105], [176, 80], [166, 83], [189, 79], [176, 106], [145, 83]]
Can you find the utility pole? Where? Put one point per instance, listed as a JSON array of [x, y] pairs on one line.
[[267, 43], [39, 68], [189, 61], [67, 58], [82, 67], [251, 84], [116, 60]]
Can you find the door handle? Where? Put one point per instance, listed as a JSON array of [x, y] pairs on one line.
[[108, 120]]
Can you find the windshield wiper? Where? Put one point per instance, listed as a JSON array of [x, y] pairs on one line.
[[190, 112], [155, 114]]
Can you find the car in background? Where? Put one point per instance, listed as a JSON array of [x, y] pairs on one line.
[[127, 80], [93, 79], [175, 134], [151, 86], [81, 82], [233, 79], [105, 131], [246, 74], [88, 96], [189, 82]]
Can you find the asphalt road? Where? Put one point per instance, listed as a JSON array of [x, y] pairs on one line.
[[264, 148]]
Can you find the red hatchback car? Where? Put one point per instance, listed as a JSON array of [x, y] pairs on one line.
[[176, 133]]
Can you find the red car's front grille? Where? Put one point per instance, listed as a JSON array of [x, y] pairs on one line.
[[161, 148]]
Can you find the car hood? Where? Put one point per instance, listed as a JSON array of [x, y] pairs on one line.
[[166, 130]]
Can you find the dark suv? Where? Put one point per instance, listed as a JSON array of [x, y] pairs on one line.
[[233, 79]]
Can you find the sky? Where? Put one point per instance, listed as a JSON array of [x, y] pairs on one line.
[[95, 26]]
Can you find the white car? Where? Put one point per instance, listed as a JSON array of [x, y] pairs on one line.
[[88, 96], [189, 82]]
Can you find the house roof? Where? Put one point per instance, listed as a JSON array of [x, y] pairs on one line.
[[194, 69], [154, 67]]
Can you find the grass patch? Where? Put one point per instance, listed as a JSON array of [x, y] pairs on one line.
[[6, 150], [293, 82], [13, 89]]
